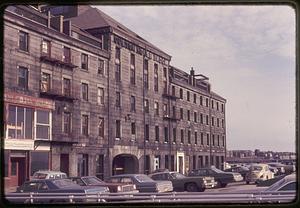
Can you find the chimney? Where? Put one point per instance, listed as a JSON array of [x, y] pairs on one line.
[[192, 77]]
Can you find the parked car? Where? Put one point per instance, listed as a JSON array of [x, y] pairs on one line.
[[274, 170], [269, 182], [222, 178], [181, 182], [55, 186], [143, 182], [280, 167], [258, 172], [48, 174], [238, 169], [113, 187], [288, 183]]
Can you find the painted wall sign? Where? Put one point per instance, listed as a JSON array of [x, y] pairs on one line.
[[15, 98], [17, 144]]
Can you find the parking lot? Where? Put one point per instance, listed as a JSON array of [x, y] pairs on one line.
[[236, 187]]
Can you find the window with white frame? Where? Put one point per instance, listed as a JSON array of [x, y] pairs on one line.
[[43, 124]]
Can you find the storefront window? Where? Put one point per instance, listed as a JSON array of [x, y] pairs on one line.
[[82, 166], [20, 122], [6, 158], [39, 161], [43, 125]]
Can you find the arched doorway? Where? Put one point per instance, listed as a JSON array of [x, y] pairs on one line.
[[125, 163]]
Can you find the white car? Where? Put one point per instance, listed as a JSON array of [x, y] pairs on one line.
[[258, 172], [48, 174]]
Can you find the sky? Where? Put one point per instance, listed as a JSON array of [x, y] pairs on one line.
[[248, 53]]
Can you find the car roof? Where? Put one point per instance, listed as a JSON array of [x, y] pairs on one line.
[[125, 175], [49, 172]]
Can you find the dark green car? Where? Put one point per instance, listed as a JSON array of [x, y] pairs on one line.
[[181, 182], [222, 178]]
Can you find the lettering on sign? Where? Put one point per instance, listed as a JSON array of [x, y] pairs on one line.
[[18, 145], [20, 99]]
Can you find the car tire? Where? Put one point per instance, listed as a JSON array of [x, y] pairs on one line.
[[247, 182], [191, 187], [223, 185]]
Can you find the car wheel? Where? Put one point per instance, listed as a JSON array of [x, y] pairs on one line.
[[191, 187], [247, 182]]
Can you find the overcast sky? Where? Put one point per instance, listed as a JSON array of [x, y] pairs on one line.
[[248, 53]]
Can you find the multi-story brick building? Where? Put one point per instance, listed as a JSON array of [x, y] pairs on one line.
[[127, 109]]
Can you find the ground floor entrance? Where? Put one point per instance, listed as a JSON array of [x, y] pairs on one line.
[[125, 163]]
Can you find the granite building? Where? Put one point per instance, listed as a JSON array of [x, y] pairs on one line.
[[126, 110]]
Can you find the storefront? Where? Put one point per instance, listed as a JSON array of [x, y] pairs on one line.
[[28, 126]]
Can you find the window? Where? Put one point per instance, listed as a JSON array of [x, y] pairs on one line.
[[201, 100], [132, 69], [212, 121], [67, 55], [166, 164], [84, 91], [84, 61], [166, 134], [181, 113], [83, 165], [146, 105], [133, 131], [43, 124], [118, 53], [67, 123], [46, 48], [195, 117], [212, 104], [66, 87], [173, 91], [165, 72], [155, 77], [20, 122], [174, 135], [39, 161], [187, 95], [118, 72], [201, 138], [45, 82], [146, 76], [189, 137], [206, 102], [165, 87], [23, 41], [147, 132], [188, 115], [223, 141], [207, 139], [222, 107], [156, 108], [218, 122], [181, 93], [101, 67], [165, 109], [118, 99], [213, 140], [118, 129], [207, 121], [132, 104], [223, 123], [174, 111], [100, 96], [289, 187], [195, 98], [100, 166], [181, 136], [196, 137], [85, 125], [156, 133], [218, 140], [23, 77], [201, 118], [217, 106], [101, 127]]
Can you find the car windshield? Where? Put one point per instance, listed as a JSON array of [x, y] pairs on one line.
[[177, 175], [143, 178], [64, 183], [254, 167], [217, 170], [39, 176], [92, 181]]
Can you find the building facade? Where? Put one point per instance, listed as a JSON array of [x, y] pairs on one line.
[[114, 105]]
